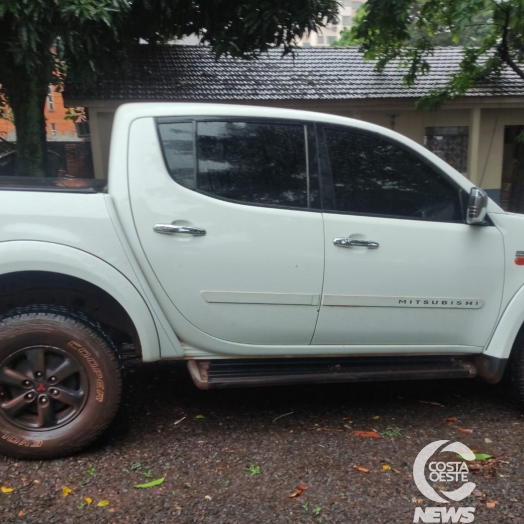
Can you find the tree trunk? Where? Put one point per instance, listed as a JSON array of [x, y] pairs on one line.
[[26, 94]]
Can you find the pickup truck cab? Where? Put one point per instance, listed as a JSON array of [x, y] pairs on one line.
[[262, 246]]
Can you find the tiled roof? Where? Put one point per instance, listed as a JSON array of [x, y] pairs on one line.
[[313, 73]]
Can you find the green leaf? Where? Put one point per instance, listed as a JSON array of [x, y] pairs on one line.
[[478, 456], [200, 416], [150, 484], [103, 503], [91, 471], [482, 456]]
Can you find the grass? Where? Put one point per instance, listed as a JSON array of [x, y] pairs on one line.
[[254, 470]]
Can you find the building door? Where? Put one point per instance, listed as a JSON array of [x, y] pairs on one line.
[[512, 189]]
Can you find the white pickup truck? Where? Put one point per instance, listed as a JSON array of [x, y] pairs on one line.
[[262, 246]]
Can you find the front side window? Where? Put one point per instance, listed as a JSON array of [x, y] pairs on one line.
[[372, 175], [252, 162]]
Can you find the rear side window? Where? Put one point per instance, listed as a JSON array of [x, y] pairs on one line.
[[179, 151], [251, 162], [374, 176]]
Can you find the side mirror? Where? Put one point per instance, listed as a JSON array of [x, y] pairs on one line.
[[477, 206]]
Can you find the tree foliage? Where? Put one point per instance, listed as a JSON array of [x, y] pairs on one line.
[[42, 40], [491, 31]]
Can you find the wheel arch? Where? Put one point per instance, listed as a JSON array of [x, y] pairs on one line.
[[42, 272], [508, 327]]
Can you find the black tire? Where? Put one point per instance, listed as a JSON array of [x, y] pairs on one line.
[[514, 377], [48, 416]]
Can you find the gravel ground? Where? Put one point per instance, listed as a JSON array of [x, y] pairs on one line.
[[202, 443]]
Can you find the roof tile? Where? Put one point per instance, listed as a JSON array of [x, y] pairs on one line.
[[313, 73]]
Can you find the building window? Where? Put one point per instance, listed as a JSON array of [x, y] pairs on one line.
[[346, 21], [50, 99], [331, 39], [449, 143], [53, 129], [321, 40]]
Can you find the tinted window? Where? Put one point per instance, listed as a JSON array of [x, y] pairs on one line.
[[374, 176], [178, 144], [254, 162]]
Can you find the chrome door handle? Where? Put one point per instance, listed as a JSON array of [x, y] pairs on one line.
[[169, 229], [351, 242]]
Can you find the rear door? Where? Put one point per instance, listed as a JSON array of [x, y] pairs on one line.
[[227, 213]]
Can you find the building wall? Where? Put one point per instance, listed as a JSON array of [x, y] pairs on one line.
[[57, 127], [329, 34]]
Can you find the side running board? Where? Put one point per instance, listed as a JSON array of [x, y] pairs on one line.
[[207, 374]]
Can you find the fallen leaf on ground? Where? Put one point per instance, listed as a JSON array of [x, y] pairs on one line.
[[207, 497], [300, 489], [4, 489], [366, 434], [200, 416], [66, 491], [432, 403], [88, 500], [451, 420], [466, 431], [103, 503], [178, 506], [385, 467], [473, 467], [491, 504], [488, 441], [376, 417], [361, 469], [151, 484], [478, 456], [482, 456]]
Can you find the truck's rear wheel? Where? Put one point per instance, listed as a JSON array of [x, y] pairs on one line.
[[60, 382]]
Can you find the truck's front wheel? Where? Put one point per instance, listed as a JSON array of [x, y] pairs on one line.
[[60, 382]]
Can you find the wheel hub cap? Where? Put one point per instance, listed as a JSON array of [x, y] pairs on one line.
[[41, 388]]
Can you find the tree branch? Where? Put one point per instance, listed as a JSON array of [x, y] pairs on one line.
[[504, 48]]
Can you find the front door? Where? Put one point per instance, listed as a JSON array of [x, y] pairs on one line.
[[402, 267], [224, 210]]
